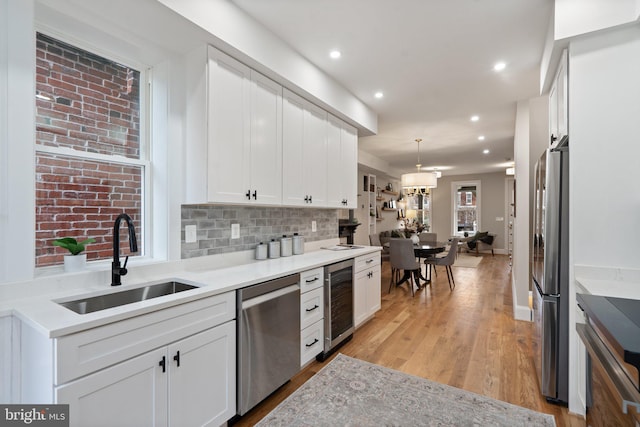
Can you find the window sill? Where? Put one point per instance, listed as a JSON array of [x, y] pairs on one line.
[[94, 267]]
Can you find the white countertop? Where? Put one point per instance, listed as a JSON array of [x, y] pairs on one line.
[[35, 303], [611, 282]]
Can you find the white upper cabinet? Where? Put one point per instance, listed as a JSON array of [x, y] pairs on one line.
[[244, 134], [251, 141], [559, 103], [266, 140], [304, 143], [342, 141]]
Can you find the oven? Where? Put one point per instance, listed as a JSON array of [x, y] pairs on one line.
[[338, 306], [613, 398]]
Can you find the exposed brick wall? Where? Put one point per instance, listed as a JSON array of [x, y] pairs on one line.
[[89, 104]]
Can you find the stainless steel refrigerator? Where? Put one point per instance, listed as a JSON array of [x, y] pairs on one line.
[[550, 272]]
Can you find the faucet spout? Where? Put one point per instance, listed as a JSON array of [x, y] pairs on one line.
[[117, 271]]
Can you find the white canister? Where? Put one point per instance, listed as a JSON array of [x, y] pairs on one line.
[[261, 251], [274, 249], [298, 244], [285, 246]]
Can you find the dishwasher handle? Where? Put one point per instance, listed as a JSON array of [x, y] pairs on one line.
[[269, 296]]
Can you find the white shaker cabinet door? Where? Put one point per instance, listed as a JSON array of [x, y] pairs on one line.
[[229, 128], [293, 185], [132, 393], [202, 389], [315, 155], [266, 141], [349, 165], [342, 149]]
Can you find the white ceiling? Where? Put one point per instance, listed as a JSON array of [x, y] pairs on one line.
[[433, 59]]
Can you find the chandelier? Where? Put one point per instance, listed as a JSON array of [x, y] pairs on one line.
[[419, 182]]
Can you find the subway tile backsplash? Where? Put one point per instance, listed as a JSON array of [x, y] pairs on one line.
[[257, 224]]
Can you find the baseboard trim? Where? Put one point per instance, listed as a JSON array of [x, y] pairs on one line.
[[522, 313]]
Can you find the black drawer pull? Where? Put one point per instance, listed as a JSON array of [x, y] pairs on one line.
[[369, 261], [313, 308], [163, 363], [312, 280], [177, 358], [313, 343]]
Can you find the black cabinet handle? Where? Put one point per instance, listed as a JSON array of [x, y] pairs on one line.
[[177, 358], [163, 363], [306, 199], [310, 200], [312, 280], [248, 194], [553, 138], [313, 308], [369, 261], [311, 345], [255, 195]]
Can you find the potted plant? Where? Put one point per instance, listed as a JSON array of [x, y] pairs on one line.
[[77, 260]]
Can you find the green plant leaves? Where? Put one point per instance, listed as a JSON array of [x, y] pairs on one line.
[[72, 245]]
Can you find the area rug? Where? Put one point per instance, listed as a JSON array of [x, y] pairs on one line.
[[466, 260], [351, 392]]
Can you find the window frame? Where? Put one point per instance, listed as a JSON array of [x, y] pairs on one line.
[[146, 154], [456, 195]]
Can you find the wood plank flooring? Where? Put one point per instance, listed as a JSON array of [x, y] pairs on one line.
[[466, 338]]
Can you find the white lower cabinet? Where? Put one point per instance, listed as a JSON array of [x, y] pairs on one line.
[[366, 288], [188, 383], [175, 366], [311, 314]]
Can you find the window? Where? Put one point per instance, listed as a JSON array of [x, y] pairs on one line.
[[466, 207], [91, 159]]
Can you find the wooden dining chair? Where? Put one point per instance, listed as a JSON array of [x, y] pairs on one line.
[[403, 258], [447, 261]]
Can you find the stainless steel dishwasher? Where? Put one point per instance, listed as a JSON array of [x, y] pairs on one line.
[[268, 338]]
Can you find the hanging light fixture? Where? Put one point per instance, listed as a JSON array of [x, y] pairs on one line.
[[419, 181]]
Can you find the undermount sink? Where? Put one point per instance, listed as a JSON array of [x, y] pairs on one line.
[[116, 299]]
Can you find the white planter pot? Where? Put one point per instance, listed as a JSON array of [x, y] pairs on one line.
[[75, 262]]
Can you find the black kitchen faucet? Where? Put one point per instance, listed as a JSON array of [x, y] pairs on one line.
[[116, 270]]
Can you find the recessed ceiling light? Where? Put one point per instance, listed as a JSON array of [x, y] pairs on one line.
[[485, 151], [335, 54], [481, 138], [378, 95], [499, 66], [475, 118]]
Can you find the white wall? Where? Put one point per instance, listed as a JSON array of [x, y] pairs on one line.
[[492, 206], [604, 108], [17, 124], [522, 222], [575, 17], [603, 138]]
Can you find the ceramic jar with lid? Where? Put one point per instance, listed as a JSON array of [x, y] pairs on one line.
[[286, 246], [298, 244]]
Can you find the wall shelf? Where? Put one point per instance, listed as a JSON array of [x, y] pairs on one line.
[[390, 209], [391, 193]]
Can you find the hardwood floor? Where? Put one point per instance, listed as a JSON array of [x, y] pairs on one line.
[[466, 338]]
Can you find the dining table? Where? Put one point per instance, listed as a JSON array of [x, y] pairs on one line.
[[422, 250]]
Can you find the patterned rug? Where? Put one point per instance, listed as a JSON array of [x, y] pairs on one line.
[[467, 260], [351, 392]]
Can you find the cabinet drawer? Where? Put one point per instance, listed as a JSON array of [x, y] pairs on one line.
[[89, 351], [311, 307], [311, 342], [311, 279], [366, 261]]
